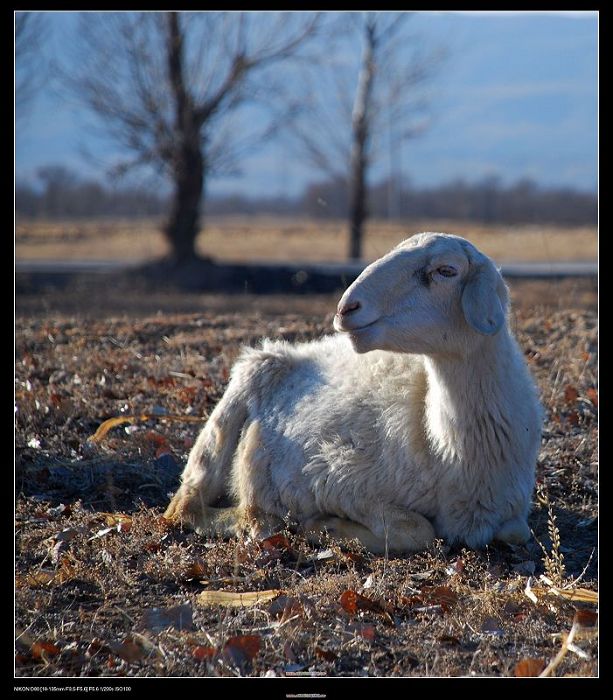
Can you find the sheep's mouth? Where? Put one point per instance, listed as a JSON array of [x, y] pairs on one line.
[[352, 329]]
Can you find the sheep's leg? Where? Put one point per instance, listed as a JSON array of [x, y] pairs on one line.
[[206, 476], [515, 531], [410, 534], [250, 486]]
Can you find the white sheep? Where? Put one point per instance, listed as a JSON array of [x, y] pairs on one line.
[[419, 419]]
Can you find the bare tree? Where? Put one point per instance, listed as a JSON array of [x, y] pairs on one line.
[[168, 87], [30, 66], [351, 102]]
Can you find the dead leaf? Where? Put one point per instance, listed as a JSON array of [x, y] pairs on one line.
[[111, 423], [440, 595], [570, 394], [285, 607], [528, 667], [353, 557], [592, 395], [43, 650], [351, 602], [241, 650], [39, 578], [579, 595], [276, 542], [201, 653], [129, 650], [231, 599], [449, 639], [325, 654], [178, 617], [197, 569], [366, 632], [585, 617], [113, 519]]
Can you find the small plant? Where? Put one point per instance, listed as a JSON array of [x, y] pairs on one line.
[[554, 559]]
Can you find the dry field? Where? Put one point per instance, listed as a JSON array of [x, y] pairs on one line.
[[266, 238], [106, 588]]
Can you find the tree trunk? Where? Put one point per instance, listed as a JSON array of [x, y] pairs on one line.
[[357, 204], [184, 220], [188, 164], [360, 135]]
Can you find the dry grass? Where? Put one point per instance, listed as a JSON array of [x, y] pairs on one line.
[[88, 581], [268, 238]]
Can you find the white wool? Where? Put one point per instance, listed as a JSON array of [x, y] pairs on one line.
[[422, 403]]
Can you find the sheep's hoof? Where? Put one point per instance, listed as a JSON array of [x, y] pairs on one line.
[[188, 509], [514, 532], [405, 536]]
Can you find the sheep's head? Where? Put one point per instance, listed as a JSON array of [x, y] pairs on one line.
[[434, 293]]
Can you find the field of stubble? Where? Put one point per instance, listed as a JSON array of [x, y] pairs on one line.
[[106, 587]]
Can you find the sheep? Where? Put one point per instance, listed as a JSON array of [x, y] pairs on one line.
[[418, 420]]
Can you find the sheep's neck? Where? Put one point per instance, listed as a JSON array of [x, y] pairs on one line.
[[466, 419]]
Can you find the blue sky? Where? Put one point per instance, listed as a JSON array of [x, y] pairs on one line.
[[517, 98]]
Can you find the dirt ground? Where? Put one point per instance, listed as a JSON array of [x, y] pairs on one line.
[[105, 587]]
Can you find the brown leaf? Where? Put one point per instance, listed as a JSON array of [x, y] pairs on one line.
[[129, 650], [42, 650], [366, 632], [592, 395], [325, 654], [353, 557], [201, 653], [440, 595], [197, 569], [528, 667], [351, 601], [285, 607], [570, 394], [573, 418], [449, 639], [585, 617], [242, 649], [276, 542]]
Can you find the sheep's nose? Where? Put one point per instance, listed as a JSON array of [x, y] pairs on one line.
[[348, 307]]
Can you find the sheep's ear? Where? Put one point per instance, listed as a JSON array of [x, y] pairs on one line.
[[481, 302]]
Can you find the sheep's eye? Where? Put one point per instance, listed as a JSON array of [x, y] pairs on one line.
[[447, 271]]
